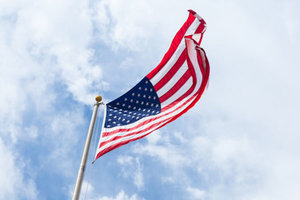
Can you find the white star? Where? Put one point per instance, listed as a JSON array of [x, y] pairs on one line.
[[144, 109], [134, 108], [108, 125], [146, 82], [115, 117], [148, 111], [123, 120], [110, 115], [131, 100], [154, 97], [156, 105], [146, 89], [144, 96], [151, 89], [137, 101], [147, 104], [114, 122], [130, 112], [125, 99], [128, 121], [142, 102], [118, 103], [140, 88], [109, 120], [133, 94], [137, 117], [152, 104], [149, 97], [129, 106], [139, 109], [139, 95]]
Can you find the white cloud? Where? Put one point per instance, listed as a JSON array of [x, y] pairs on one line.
[[132, 168], [196, 193], [13, 185], [243, 137], [45, 71], [121, 196]]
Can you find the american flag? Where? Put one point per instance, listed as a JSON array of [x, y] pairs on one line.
[[168, 91]]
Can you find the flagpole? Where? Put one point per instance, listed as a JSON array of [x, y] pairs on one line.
[[86, 150]]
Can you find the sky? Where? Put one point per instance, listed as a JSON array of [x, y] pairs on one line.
[[239, 142]]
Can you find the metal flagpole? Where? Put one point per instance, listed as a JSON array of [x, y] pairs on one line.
[[86, 150]]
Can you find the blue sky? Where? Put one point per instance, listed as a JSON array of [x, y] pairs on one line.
[[241, 141]]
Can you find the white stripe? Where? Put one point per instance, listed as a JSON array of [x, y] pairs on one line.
[[192, 54], [187, 85], [176, 54], [181, 71], [154, 80]]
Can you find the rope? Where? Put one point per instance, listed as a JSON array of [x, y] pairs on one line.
[[91, 157]]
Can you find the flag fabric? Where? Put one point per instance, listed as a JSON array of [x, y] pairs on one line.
[[168, 91]]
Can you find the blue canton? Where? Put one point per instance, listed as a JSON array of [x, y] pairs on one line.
[[139, 102]]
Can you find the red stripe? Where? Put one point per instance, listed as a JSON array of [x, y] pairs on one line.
[[174, 103], [200, 60], [112, 147], [134, 133], [171, 72], [176, 87], [175, 43]]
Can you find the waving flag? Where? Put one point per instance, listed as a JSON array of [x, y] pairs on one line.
[[168, 91]]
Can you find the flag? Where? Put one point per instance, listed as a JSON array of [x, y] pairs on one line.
[[168, 91]]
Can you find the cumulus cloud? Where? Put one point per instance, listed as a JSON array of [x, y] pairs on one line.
[[239, 142], [13, 184], [45, 66], [132, 168]]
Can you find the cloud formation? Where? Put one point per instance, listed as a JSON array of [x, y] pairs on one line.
[[239, 142]]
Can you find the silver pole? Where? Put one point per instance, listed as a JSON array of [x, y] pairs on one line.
[[86, 150]]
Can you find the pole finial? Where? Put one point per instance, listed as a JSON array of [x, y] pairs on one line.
[[98, 98]]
